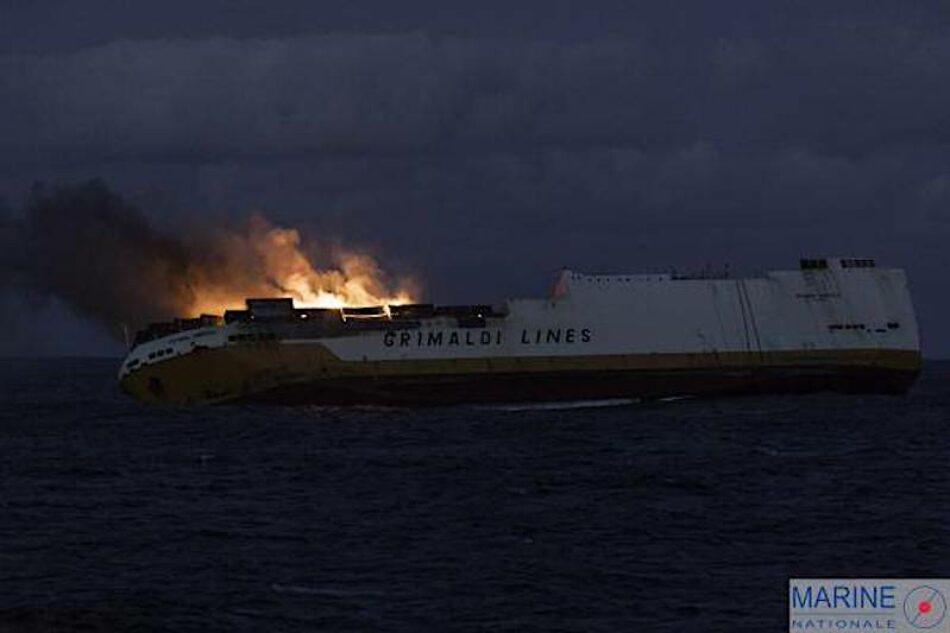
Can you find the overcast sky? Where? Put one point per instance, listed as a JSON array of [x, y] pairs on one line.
[[482, 147]]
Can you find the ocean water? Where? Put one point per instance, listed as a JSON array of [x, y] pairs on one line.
[[687, 515]]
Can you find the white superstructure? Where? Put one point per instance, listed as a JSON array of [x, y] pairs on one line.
[[850, 304]]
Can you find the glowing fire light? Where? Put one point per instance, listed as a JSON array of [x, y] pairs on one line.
[[268, 262]]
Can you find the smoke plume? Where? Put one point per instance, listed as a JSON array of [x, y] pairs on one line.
[[87, 246]]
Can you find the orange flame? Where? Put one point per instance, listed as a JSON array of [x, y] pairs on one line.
[[269, 262]]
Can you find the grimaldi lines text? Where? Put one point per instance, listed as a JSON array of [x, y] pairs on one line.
[[831, 324], [438, 338]]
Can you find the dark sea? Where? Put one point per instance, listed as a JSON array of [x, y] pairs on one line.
[[687, 515]]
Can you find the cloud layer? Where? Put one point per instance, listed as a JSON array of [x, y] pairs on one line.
[[506, 157], [837, 89]]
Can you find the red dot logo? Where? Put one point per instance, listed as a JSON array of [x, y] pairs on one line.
[[925, 608]]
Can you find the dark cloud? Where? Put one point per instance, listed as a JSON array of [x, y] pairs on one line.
[[512, 141], [839, 89], [335, 94]]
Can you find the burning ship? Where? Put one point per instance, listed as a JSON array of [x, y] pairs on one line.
[[839, 324]]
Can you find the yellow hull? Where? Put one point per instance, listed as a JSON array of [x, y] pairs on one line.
[[310, 373]]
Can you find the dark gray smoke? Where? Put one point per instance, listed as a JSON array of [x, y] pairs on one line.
[[90, 248]]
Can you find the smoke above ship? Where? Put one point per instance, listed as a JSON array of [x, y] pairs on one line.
[[93, 250]]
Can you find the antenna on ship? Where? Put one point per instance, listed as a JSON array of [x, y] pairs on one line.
[[128, 339]]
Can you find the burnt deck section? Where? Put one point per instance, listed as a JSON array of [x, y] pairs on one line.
[[275, 319]]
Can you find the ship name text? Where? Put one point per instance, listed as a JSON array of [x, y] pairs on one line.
[[486, 337]]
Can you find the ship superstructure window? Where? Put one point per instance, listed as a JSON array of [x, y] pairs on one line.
[[847, 326], [814, 264], [857, 263]]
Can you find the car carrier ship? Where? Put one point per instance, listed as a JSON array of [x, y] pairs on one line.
[[838, 324]]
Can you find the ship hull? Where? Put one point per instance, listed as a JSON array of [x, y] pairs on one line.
[[574, 387], [294, 375], [835, 325]]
